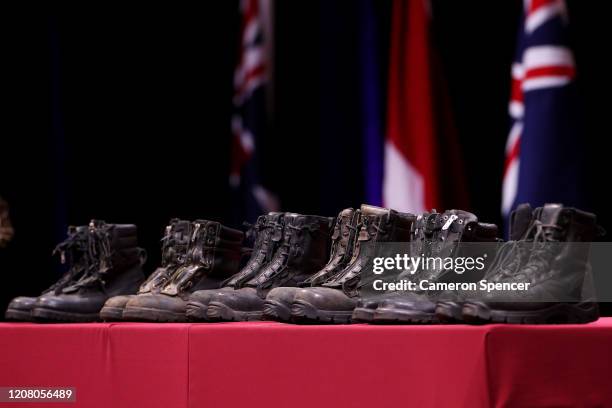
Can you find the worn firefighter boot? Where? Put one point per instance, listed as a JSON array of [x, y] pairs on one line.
[[213, 256], [334, 300], [116, 269], [279, 300], [303, 252], [73, 252], [510, 257], [556, 270], [366, 306], [174, 250], [268, 234], [441, 238]]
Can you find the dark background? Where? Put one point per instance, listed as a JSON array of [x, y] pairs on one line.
[[125, 117]]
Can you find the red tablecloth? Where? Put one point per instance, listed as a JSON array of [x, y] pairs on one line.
[[277, 365]]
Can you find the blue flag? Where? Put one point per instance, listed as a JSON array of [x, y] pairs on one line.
[[544, 156]]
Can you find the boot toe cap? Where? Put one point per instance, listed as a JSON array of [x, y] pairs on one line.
[[204, 296], [326, 299], [23, 303], [409, 303], [282, 295], [158, 302], [368, 303], [245, 299], [71, 303], [118, 301]]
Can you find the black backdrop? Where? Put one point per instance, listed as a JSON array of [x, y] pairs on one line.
[[125, 117]]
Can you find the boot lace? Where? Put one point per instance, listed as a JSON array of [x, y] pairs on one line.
[[541, 251], [99, 252], [72, 252]]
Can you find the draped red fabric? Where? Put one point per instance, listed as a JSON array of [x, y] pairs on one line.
[[264, 364]]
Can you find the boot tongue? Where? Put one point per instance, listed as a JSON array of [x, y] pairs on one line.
[[550, 213], [199, 227], [273, 223], [272, 216], [347, 212], [340, 223], [451, 217], [96, 224], [301, 220], [293, 219], [520, 220], [175, 241], [180, 226], [430, 221], [367, 209]]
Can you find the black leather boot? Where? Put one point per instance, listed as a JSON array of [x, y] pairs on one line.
[[213, 256], [279, 300], [441, 238], [334, 300], [510, 257], [366, 306], [267, 234], [174, 254], [73, 252], [116, 269], [556, 268], [303, 252]]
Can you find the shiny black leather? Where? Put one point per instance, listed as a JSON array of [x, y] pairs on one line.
[[116, 268], [73, 252], [509, 259], [441, 236], [555, 269], [422, 231]]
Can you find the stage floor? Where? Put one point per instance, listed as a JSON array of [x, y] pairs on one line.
[[266, 364]]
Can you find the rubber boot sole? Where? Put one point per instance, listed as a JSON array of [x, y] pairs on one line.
[[304, 312], [218, 311], [18, 315], [363, 315], [196, 312], [51, 315], [145, 314], [397, 316], [111, 314], [449, 312], [278, 311], [568, 313]]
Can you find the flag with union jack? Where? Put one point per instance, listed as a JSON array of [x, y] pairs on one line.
[[544, 157], [249, 121]]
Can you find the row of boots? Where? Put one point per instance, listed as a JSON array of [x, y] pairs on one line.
[[313, 269], [103, 260]]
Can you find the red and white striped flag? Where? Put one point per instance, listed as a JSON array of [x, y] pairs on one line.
[[419, 143]]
